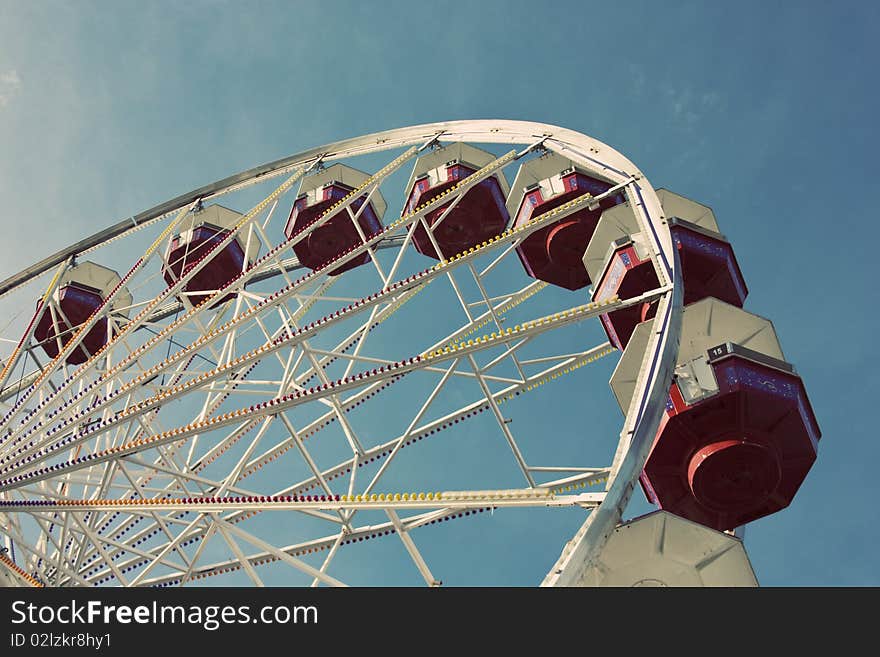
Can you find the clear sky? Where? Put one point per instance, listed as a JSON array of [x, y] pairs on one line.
[[766, 111]]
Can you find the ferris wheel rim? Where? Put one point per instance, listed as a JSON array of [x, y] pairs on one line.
[[489, 130], [656, 372]]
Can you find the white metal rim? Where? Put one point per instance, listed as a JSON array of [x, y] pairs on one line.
[[655, 374]]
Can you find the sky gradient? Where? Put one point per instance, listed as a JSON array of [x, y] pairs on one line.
[[762, 110]]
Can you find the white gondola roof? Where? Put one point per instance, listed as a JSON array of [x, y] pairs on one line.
[[662, 549], [534, 171], [704, 324], [614, 223], [676, 205], [346, 175], [459, 151], [217, 216], [99, 278], [620, 221]]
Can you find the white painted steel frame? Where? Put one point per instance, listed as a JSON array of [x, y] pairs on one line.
[[635, 440]]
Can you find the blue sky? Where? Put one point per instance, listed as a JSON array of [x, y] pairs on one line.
[[765, 111]]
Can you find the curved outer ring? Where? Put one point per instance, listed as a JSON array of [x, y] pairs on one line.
[[655, 374]]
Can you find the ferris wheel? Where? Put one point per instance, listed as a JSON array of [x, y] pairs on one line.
[[259, 378]]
